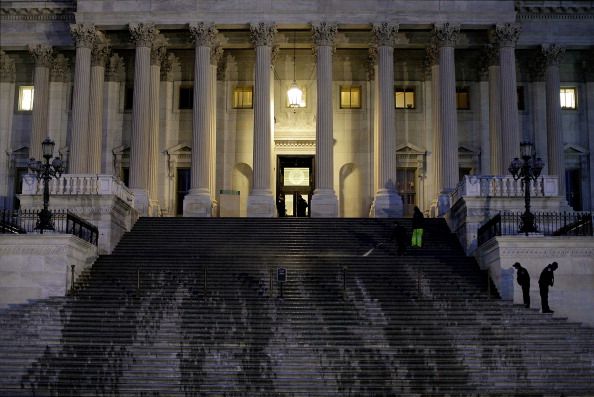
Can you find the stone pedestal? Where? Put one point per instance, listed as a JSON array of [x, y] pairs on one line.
[[324, 204], [197, 203], [261, 205]]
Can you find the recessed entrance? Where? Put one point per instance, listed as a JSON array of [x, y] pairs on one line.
[[294, 185]]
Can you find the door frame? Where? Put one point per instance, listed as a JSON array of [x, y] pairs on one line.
[[299, 160]]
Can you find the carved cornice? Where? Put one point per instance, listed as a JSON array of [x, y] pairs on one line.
[[204, 34], [143, 34], [84, 35], [159, 50], [552, 54], [7, 68], [530, 10], [384, 34], [60, 71], [295, 143], [37, 14], [115, 69], [100, 51], [42, 55], [507, 35], [262, 34], [446, 34], [170, 68], [324, 33]]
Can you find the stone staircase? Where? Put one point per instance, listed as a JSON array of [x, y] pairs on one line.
[[186, 307]]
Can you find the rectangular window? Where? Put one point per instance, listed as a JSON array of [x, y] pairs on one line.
[[243, 97], [462, 98], [404, 98], [520, 91], [568, 98], [350, 97], [26, 98], [186, 97]]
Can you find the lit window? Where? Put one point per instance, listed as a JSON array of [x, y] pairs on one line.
[[568, 98], [186, 97], [404, 98], [350, 97], [463, 98], [26, 97], [243, 97]]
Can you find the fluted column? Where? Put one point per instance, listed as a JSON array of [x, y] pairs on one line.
[[261, 202], [387, 202], [324, 202], [215, 56], [99, 55], [143, 35], [507, 36], [493, 70], [433, 63], [198, 201], [7, 92], [115, 76], [59, 102], [555, 148], [43, 59], [446, 36]]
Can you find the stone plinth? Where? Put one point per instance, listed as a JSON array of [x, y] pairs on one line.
[[387, 204], [197, 204], [39, 266]]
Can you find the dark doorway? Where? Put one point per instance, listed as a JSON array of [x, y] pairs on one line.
[[573, 187], [294, 180], [405, 185], [182, 188]]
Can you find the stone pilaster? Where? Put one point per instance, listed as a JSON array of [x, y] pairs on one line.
[[99, 56], [261, 201], [59, 101], [445, 37], [387, 202], [142, 35], [215, 58], [198, 201], [7, 92], [43, 59], [114, 78], [493, 70], [556, 155], [433, 66], [507, 36]]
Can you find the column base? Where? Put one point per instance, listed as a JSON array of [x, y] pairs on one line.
[[324, 204], [261, 205], [197, 204], [387, 204], [154, 208], [141, 201], [443, 203]]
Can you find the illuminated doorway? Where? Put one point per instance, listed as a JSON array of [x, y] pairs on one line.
[[294, 185]]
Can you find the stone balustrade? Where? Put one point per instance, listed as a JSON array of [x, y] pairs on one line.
[[503, 186]]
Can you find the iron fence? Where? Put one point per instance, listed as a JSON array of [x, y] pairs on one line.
[[25, 221], [547, 223]]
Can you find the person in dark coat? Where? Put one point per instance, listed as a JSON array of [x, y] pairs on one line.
[[399, 235], [417, 224], [546, 280], [524, 281], [301, 205], [280, 206]]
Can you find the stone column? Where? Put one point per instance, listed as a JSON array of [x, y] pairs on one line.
[[143, 35], [59, 101], [215, 57], [324, 202], [170, 71], [84, 37], [493, 70], [507, 36], [43, 59], [433, 63], [198, 201], [538, 106], [261, 202], [446, 36], [158, 54], [99, 55], [7, 92], [556, 155], [115, 76]]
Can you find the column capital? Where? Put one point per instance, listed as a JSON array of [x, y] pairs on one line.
[[203, 34], [552, 53], [446, 34], [262, 34], [158, 50], [384, 34], [371, 62], [507, 35], [60, 69], [170, 68], [143, 34], [84, 35], [7, 68], [324, 33], [115, 70], [216, 54], [100, 51], [42, 55]]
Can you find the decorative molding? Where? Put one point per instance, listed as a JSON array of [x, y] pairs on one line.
[[115, 69], [216, 54], [60, 71], [384, 34], [159, 50], [37, 14], [204, 34], [507, 35], [542, 252], [84, 35], [295, 143], [100, 51], [43, 55], [446, 34], [552, 53], [532, 10], [170, 68], [324, 33], [262, 34], [7, 68], [143, 34]]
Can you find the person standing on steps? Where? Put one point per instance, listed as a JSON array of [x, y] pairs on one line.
[[524, 281], [399, 236], [301, 206], [546, 280], [417, 224]]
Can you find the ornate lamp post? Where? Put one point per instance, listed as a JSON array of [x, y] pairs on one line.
[[46, 172], [527, 170]]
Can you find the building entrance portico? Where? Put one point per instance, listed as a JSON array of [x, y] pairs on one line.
[[294, 179]]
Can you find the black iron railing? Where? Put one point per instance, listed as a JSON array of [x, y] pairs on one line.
[[547, 223], [25, 221]]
